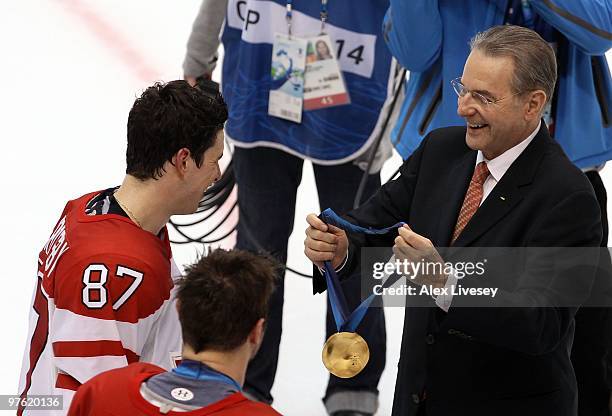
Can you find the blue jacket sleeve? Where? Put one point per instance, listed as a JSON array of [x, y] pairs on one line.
[[413, 32], [586, 23]]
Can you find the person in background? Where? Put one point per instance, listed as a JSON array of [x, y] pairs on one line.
[[430, 38], [269, 152]]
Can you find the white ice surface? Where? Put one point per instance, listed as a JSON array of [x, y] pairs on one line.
[[70, 70]]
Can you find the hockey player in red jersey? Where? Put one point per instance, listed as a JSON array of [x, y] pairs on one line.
[[105, 291], [222, 303]]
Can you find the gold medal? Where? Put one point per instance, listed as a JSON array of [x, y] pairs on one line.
[[345, 354]]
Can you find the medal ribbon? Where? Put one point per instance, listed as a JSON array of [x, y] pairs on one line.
[[346, 321], [198, 371]]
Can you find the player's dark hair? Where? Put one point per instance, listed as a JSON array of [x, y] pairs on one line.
[[167, 118], [222, 296]]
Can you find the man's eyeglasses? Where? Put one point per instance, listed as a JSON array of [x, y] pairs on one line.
[[462, 91]]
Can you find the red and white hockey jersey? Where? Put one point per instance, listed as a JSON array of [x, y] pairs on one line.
[[104, 299], [117, 393]]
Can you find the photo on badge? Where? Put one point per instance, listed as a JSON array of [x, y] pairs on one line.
[[323, 81]]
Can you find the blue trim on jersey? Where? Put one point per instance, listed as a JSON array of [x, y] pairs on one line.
[[198, 371]]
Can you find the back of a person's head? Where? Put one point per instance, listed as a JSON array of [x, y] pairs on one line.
[[222, 296], [167, 118]]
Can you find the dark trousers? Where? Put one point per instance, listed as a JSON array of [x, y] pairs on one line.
[[267, 184], [592, 340]]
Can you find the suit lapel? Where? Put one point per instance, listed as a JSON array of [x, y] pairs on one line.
[[508, 192], [451, 197]]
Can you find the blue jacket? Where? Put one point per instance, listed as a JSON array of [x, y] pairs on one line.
[[327, 136], [430, 38]]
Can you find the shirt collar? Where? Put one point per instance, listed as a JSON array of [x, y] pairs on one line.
[[499, 165]]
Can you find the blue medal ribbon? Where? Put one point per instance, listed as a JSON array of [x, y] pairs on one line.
[[347, 321], [196, 370]]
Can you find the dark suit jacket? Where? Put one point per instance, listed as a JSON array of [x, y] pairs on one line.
[[492, 361]]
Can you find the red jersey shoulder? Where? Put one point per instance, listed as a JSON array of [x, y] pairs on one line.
[[111, 233], [112, 385], [118, 382], [123, 376], [248, 407], [78, 235], [119, 379], [104, 265]]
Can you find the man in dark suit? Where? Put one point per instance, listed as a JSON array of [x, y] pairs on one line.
[[501, 181]]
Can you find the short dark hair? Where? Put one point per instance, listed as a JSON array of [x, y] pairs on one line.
[[535, 64], [167, 118], [222, 296]]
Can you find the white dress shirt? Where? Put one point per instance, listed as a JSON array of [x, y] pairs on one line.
[[497, 169], [500, 165]]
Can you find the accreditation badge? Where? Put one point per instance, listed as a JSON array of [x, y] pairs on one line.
[[323, 83], [287, 73]]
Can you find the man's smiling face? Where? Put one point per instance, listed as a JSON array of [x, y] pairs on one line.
[[495, 127]]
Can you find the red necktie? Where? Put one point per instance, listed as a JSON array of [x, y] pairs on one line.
[[472, 199]]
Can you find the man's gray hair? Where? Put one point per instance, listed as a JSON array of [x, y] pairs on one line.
[[535, 65]]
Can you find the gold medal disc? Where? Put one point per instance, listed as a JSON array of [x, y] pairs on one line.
[[345, 354]]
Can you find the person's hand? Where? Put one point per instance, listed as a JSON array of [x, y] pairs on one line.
[[415, 248], [192, 80], [324, 242]]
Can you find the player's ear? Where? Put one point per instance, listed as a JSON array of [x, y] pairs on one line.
[[180, 160], [257, 333]]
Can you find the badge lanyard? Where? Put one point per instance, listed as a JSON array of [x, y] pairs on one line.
[[198, 371], [289, 15], [345, 320], [297, 85], [324, 15], [546, 31], [528, 14]]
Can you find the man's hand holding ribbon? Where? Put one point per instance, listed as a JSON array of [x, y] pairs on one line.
[[415, 248], [325, 242]]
